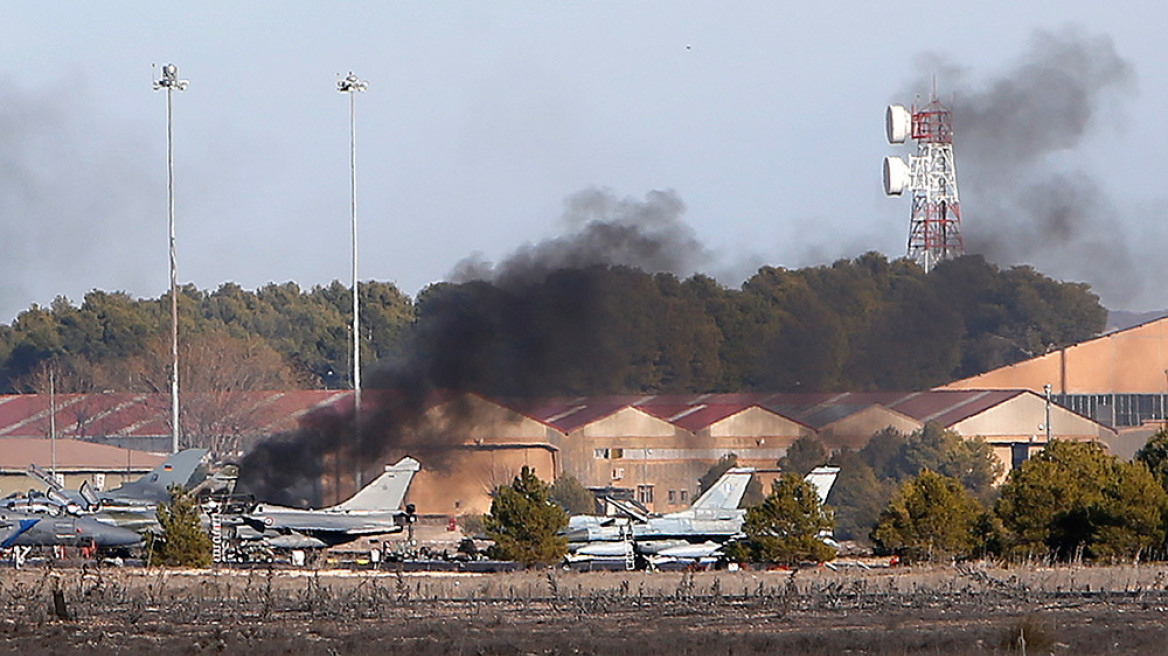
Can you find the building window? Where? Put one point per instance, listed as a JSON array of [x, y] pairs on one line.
[[618, 473], [684, 496], [1019, 453], [645, 494], [618, 454], [672, 496], [600, 454]]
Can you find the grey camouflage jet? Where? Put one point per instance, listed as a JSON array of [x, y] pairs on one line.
[[26, 529], [373, 510]]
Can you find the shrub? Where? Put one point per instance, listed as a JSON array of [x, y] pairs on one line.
[[525, 523], [787, 527], [931, 517], [572, 496], [183, 542]]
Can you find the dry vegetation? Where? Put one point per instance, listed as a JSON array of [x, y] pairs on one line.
[[962, 610]]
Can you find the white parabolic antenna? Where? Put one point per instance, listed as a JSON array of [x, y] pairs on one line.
[[897, 124], [896, 176]]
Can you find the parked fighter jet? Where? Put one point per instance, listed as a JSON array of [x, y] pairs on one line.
[[25, 529], [371, 511], [692, 534], [150, 489], [129, 506]]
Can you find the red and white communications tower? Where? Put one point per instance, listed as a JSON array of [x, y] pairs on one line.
[[934, 233]]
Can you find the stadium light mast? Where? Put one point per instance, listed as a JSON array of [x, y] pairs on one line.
[[351, 85], [171, 83]]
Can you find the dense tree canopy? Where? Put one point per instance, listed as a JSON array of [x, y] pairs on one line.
[[931, 517], [1074, 500], [804, 454], [1154, 455], [869, 477], [857, 324]]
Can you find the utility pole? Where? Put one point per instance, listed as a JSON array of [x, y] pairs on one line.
[[171, 83], [1046, 389]]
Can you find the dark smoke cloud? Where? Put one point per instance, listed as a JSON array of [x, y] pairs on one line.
[[602, 229], [75, 199], [505, 329], [1014, 133]]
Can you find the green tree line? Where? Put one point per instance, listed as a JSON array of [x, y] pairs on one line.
[[861, 324]]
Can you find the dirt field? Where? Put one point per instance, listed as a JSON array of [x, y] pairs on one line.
[[967, 610]]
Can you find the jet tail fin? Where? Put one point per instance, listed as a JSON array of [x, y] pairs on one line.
[[386, 492], [727, 492], [822, 479]]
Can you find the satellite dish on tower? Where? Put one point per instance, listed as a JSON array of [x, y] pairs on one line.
[[897, 176], [897, 124]]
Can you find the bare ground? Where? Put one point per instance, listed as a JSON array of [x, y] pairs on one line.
[[944, 610]]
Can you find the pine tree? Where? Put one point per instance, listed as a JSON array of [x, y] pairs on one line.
[[183, 542], [525, 523], [931, 517], [786, 527]]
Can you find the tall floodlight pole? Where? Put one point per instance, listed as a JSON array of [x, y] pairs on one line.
[[351, 85], [170, 82]]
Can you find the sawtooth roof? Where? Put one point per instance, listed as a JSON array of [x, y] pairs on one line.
[[92, 415]]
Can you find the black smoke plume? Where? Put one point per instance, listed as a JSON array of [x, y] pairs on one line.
[[534, 324], [1023, 200]]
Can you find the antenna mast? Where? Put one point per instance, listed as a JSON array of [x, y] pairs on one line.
[[931, 175]]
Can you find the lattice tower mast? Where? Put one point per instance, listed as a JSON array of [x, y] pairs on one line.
[[935, 224]]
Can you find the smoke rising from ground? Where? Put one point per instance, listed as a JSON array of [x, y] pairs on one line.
[[1026, 198], [505, 329]]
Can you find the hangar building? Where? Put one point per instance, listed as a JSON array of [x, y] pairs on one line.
[[1119, 379]]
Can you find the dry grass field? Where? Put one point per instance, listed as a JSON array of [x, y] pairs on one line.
[[943, 610]]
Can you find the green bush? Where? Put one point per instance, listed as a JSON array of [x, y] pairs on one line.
[[572, 496], [931, 517], [1075, 500], [787, 527], [525, 523], [183, 542]]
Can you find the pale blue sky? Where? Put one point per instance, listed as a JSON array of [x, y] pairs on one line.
[[764, 118]]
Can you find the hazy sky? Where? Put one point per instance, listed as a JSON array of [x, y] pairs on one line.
[[761, 124]]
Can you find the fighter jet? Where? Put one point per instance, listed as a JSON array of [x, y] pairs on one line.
[[696, 533], [373, 510], [150, 489], [132, 505], [25, 529]]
